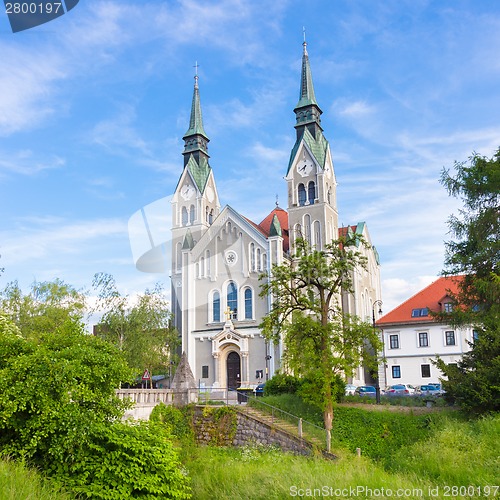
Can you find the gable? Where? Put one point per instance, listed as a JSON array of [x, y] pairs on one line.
[[228, 215]]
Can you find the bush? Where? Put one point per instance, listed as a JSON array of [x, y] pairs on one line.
[[281, 383], [177, 420], [311, 389], [124, 461]]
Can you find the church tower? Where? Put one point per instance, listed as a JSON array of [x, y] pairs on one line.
[[195, 203], [312, 200]]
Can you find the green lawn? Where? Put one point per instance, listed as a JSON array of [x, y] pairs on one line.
[[448, 451]]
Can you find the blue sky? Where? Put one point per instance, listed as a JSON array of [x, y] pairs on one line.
[[93, 107]]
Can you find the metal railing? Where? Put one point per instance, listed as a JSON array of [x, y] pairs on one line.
[[224, 395]]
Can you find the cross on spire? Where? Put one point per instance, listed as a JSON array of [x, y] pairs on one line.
[[196, 66]]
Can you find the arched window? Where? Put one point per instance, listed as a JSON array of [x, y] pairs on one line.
[[302, 195], [232, 299], [248, 303], [264, 262], [311, 192], [178, 256], [307, 228], [329, 196], [216, 307], [298, 231], [192, 214], [211, 216], [259, 263], [184, 216], [206, 213], [207, 255], [252, 257], [317, 234], [202, 267]]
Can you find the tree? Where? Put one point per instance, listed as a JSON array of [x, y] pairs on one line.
[[474, 254], [47, 307], [320, 341], [141, 329], [53, 388]]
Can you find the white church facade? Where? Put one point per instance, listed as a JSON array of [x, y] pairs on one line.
[[218, 254]]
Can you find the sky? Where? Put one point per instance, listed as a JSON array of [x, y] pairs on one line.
[[94, 104]]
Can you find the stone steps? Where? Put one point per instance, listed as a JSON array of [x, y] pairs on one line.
[[282, 425]]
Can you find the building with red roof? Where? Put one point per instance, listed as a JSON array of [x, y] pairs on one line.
[[413, 338]]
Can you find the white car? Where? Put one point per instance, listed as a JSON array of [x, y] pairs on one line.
[[400, 390], [350, 389]]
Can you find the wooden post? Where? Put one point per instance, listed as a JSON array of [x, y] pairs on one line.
[[300, 427]]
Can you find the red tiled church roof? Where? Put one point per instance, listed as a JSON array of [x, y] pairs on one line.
[[265, 226], [430, 297]]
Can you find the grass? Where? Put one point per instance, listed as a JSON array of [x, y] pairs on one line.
[[20, 483], [258, 473]]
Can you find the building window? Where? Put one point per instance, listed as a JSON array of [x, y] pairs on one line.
[[423, 339], [184, 216], [204, 371], [307, 228], [259, 262], [302, 195], [426, 371], [421, 311], [450, 338], [216, 307], [317, 234], [252, 257], [311, 192], [248, 303], [394, 341], [232, 300], [192, 214], [207, 253], [396, 371], [211, 216], [475, 335], [448, 307]]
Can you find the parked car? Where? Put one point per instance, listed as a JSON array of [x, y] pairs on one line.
[[350, 389], [429, 390], [259, 390], [366, 390], [400, 390]]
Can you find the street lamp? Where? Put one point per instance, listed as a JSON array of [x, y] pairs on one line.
[[377, 381]]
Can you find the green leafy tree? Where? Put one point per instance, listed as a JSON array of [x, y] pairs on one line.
[[474, 254], [48, 306], [141, 329], [53, 388], [320, 341]]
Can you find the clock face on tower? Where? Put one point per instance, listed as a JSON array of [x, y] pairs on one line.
[[304, 167], [187, 192]]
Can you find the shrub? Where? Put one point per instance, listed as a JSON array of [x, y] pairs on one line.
[[177, 420], [124, 461], [281, 383]]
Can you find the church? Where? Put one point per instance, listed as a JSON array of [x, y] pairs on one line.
[[218, 254]]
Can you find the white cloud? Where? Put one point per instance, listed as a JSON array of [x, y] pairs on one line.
[[49, 237], [28, 84], [26, 162]]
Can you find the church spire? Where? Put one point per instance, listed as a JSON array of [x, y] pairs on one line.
[[307, 110], [195, 139]]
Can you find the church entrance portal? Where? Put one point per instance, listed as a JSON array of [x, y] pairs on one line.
[[233, 370]]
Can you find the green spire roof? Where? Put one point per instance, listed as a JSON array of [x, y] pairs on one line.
[[307, 96], [318, 147], [275, 229], [196, 120], [199, 172], [188, 242]]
